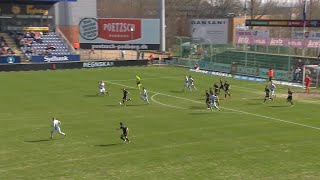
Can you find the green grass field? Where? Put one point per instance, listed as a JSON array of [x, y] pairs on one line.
[[175, 137]]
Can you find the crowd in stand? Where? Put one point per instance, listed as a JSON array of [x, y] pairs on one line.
[[5, 50], [26, 40]]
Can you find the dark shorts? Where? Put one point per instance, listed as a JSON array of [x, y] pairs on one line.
[[207, 100], [125, 97], [289, 98], [138, 82], [270, 78], [267, 95]]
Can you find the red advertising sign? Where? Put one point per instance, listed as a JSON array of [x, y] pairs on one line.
[[119, 29]]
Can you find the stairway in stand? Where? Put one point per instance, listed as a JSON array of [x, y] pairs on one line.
[[13, 46]]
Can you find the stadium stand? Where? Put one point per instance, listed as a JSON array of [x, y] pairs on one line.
[[38, 43]]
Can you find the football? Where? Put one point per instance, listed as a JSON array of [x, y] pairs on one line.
[[120, 103]]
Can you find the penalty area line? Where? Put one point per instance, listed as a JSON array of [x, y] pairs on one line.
[[230, 109]]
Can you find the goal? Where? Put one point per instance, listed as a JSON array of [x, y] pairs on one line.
[[314, 72]]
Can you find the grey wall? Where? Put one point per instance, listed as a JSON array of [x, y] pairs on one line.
[[70, 13]]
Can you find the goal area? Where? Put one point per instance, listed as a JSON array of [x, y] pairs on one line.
[[312, 71]]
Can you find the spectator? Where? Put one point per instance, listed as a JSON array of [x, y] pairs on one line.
[[297, 72], [122, 54]]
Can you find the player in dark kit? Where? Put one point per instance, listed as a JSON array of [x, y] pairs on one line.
[[125, 97], [227, 87], [216, 89], [289, 98], [221, 85], [210, 91], [125, 132], [207, 99], [267, 91]]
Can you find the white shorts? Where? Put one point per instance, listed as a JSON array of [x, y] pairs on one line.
[[102, 90], [56, 129]]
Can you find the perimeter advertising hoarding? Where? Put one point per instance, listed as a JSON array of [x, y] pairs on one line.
[[110, 33], [213, 31], [284, 42], [253, 33], [306, 35]]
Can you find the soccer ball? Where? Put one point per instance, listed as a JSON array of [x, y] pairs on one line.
[[120, 103]]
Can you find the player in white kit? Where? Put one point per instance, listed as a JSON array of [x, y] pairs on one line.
[[102, 88], [56, 127], [272, 88], [191, 84], [144, 94], [213, 102], [186, 83]]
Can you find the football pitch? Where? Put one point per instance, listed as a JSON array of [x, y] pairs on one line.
[[175, 137]]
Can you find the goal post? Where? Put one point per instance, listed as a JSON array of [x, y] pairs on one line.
[[312, 71]]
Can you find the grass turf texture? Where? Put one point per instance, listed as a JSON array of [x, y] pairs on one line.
[[175, 138]]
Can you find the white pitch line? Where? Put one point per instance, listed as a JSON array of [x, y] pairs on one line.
[[177, 107], [123, 80], [235, 110], [99, 156]]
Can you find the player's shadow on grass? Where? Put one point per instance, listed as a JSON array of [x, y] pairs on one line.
[[39, 140], [112, 105], [278, 106], [181, 91], [93, 95], [107, 145]]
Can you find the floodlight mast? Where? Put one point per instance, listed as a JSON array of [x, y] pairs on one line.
[[162, 26]]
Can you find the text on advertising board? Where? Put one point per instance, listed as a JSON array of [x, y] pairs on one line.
[[97, 64]]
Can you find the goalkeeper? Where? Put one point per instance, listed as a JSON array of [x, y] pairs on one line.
[[139, 85]]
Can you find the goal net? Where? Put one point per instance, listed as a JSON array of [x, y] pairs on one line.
[[312, 71]]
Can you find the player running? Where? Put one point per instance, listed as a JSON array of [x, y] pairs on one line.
[[227, 87], [221, 85], [267, 91], [216, 89], [56, 127], [213, 102], [191, 84], [186, 83], [272, 88], [125, 97], [102, 88], [289, 98], [207, 99], [139, 85], [144, 94], [125, 132]]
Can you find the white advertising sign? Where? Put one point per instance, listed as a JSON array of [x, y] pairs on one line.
[[306, 35], [213, 31], [253, 33]]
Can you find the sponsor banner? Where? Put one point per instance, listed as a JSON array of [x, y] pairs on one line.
[[248, 78], [10, 59], [246, 70], [306, 35], [48, 59], [120, 46], [26, 9], [105, 64], [313, 43], [284, 42], [288, 83], [109, 33], [278, 74], [213, 31], [97, 64], [215, 73], [253, 33]]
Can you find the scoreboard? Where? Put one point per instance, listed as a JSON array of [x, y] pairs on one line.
[[283, 23]]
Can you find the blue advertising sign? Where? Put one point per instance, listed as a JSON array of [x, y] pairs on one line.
[[61, 58], [10, 59]]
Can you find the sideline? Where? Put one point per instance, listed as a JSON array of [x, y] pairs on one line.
[[235, 110]]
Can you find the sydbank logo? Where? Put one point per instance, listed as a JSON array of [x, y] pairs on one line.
[[56, 58], [11, 59]]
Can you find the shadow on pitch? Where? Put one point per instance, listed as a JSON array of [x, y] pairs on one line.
[[107, 145], [113, 105], [39, 140], [181, 91], [278, 106], [93, 95]]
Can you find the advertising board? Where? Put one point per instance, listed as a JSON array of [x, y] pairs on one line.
[[116, 34], [213, 31], [62, 58]]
